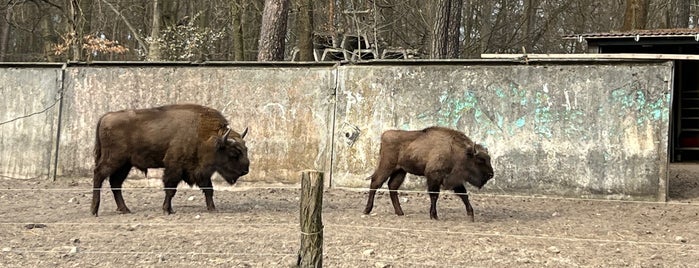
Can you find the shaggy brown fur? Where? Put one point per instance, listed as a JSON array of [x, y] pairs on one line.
[[447, 157], [190, 141]]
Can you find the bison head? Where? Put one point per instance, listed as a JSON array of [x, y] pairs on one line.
[[479, 168], [231, 160]]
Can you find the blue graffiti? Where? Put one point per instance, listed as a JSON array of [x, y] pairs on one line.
[[506, 111]]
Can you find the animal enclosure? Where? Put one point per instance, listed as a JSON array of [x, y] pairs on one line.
[[582, 128]]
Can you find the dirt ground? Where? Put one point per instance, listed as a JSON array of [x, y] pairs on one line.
[[48, 224]]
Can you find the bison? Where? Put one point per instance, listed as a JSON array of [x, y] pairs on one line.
[[189, 141], [447, 157]]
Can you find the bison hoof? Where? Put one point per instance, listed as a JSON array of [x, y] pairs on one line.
[[434, 217], [124, 211]]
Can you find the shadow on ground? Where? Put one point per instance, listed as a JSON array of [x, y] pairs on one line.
[[684, 182]]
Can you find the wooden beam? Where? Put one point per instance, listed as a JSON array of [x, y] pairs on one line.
[[639, 56]]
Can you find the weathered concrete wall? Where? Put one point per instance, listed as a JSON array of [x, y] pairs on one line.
[[28, 120], [288, 110], [582, 130], [575, 129]]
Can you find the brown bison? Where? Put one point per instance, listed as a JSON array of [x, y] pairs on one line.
[[190, 141], [446, 157]]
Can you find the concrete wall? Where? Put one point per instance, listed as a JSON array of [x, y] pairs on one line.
[[288, 111], [28, 120], [590, 130], [567, 129]]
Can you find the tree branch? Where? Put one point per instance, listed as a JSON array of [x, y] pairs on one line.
[[131, 28]]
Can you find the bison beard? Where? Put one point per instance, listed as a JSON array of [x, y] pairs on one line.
[[190, 141], [446, 157]]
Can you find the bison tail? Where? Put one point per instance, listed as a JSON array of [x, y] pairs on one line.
[[98, 147]]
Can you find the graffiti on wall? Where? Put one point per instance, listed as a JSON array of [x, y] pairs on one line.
[[507, 110]]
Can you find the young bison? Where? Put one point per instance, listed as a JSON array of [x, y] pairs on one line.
[[446, 157]]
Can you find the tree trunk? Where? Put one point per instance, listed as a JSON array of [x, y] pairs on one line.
[[446, 30], [4, 32], [154, 46], [273, 30], [486, 16], [454, 30], [529, 24], [682, 19], [86, 17], [468, 26], [635, 15], [168, 12], [45, 26], [74, 28], [237, 30], [305, 30], [331, 17]]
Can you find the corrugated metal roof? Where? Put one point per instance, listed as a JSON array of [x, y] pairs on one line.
[[638, 33]]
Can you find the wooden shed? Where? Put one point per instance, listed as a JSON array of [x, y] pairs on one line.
[[683, 47]]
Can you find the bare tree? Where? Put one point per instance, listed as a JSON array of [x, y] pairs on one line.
[[682, 17], [5, 15], [134, 32], [446, 31], [529, 22], [154, 47], [233, 30], [237, 11], [304, 22], [273, 30], [635, 15], [486, 22]]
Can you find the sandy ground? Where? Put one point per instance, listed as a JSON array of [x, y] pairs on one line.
[[48, 224]]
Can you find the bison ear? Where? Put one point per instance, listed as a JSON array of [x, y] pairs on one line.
[[245, 132], [470, 151]]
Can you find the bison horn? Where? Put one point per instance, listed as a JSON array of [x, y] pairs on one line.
[[225, 135], [245, 132]]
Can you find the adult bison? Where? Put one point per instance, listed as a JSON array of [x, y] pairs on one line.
[[446, 157], [190, 141]]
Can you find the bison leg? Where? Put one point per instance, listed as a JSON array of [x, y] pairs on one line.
[[433, 189], [207, 187], [394, 183], [171, 178], [170, 190], [377, 180], [103, 170], [97, 181], [116, 180], [461, 192]]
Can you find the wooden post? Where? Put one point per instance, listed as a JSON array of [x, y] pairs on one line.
[[311, 251]]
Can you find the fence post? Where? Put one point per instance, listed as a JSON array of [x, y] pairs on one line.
[[311, 251]]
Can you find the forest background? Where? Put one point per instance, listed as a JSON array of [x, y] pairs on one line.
[[275, 30]]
